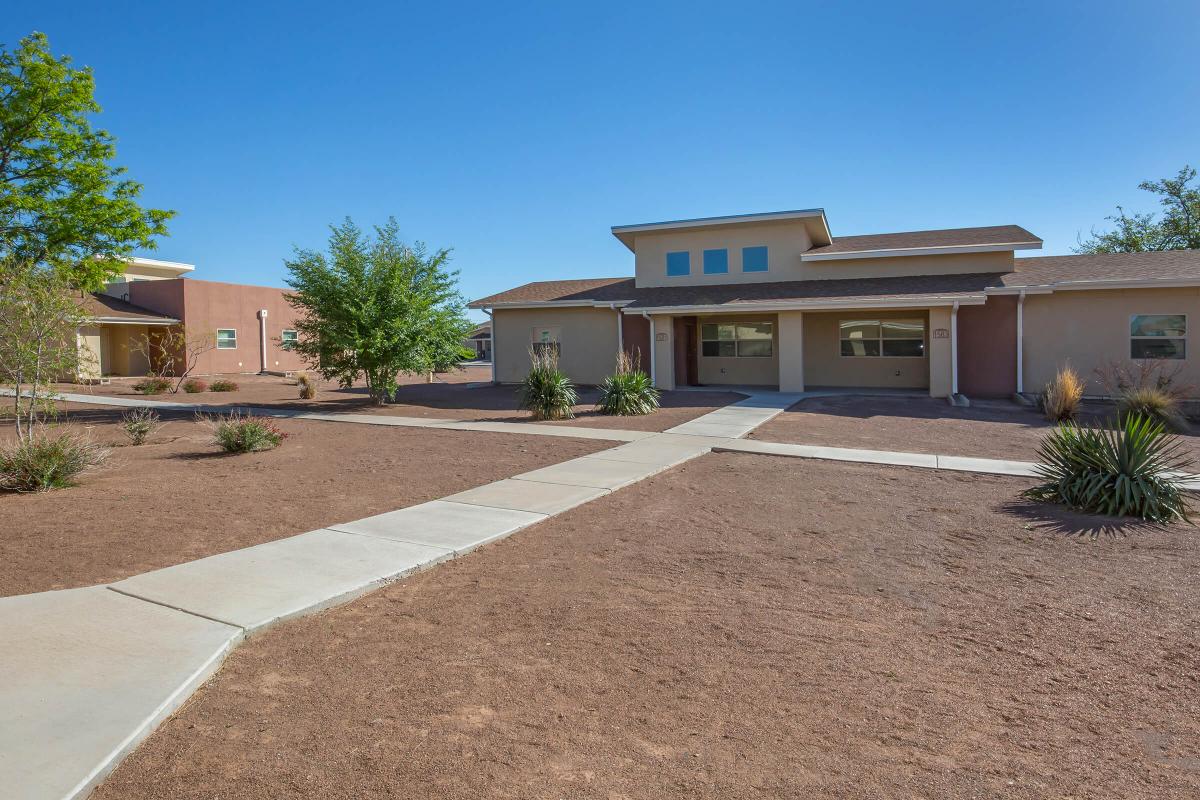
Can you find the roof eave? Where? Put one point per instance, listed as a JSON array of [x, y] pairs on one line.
[[929, 301], [627, 233], [901, 252], [483, 304]]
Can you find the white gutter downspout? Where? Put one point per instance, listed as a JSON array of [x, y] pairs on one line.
[[262, 339], [492, 340], [653, 371], [954, 351], [1021, 342], [620, 332]]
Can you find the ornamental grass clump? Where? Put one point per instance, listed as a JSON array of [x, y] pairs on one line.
[[308, 389], [547, 392], [236, 432], [1153, 403], [1131, 470], [1061, 399], [139, 424], [43, 462], [152, 385], [628, 391]]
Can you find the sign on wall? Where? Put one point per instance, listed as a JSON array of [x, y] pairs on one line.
[[941, 333]]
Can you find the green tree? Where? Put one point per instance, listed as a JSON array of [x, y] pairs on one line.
[[1177, 229], [63, 205], [374, 307]]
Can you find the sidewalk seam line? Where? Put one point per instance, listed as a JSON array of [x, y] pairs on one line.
[[176, 608]]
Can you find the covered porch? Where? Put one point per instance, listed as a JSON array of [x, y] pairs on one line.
[[109, 343]]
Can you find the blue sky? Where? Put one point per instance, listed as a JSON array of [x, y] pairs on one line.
[[517, 134]]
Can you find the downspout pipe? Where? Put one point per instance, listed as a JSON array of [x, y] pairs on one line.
[[1021, 342], [262, 340], [492, 340], [653, 369]]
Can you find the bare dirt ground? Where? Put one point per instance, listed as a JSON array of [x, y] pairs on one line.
[[455, 395], [988, 429], [740, 627], [178, 498]]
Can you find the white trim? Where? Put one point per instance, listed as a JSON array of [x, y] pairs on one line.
[[556, 304], [1021, 343], [836, 305], [896, 252], [178, 266], [1097, 284], [132, 321], [235, 338], [954, 351]]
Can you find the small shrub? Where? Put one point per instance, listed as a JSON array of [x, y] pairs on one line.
[[1060, 401], [1154, 403], [244, 433], [222, 385], [152, 385], [627, 392], [140, 423], [43, 463], [194, 386], [547, 392], [1133, 470], [308, 389]]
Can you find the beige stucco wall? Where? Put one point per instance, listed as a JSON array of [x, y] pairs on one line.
[[1088, 328], [939, 352], [662, 332], [825, 366], [785, 243], [91, 350], [587, 340], [120, 355], [789, 337], [732, 371]]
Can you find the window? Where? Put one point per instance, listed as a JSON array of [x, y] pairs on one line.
[[679, 264], [754, 259], [226, 339], [890, 338], [1158, 336], [737, 340], [546, 338], [716, 262], [287, 339]]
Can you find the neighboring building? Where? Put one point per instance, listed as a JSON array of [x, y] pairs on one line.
[[251, 324], [480, 340], [776, 300]]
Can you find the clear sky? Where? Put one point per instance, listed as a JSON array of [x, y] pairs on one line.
[[518, 133]]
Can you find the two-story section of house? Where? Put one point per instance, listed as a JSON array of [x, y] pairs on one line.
[[775, 300]]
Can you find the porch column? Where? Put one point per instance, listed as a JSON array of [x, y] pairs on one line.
[[662, 345], [791, 351], [941, 358]]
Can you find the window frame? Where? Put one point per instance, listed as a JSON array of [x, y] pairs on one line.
[[881, 321], [687, 263], [723, 267], [1183, 339], [736, 340], [766, 258], [235, 338], [283, 341]]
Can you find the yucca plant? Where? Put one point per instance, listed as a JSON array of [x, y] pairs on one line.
[[547, 392], [627, 392], [1061, 399], [1133, 470]]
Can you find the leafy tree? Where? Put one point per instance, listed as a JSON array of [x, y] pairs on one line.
[[39, 315], [375, 307], [63, 205], [1178, 229]]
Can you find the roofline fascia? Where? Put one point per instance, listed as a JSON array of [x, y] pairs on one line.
[[764, 307], [899, 252], [1098, 284], [134, 320], [179, 266], [731, 219], [552, 304]]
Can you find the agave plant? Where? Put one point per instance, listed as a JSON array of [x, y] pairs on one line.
[[1134, 469], [547, 392], [627, 392]]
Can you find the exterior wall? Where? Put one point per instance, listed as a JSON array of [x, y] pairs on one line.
[[122, 357], [91, 353], [715, 370], [940, 353], [790, 337], [635, 335], [786, 242], [587, 338], [205, 306], [824, 365], [987, 348], [1090, 328], [664, 351]]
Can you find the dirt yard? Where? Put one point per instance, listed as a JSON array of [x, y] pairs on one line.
[[457, 395], [739, 627], [178, 498], [988, 429]]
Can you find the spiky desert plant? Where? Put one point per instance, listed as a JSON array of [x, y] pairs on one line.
[[140, 423], [1133, 469], [547, 392], [44, 462], [1154, 403], [1062, 396], [627, 392]]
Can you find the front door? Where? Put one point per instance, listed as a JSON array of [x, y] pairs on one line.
[[687, 347]]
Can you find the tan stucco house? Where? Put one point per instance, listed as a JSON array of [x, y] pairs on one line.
[[250, 325], [776, 300]]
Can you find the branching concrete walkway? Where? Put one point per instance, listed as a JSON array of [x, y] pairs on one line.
[[86, 674]]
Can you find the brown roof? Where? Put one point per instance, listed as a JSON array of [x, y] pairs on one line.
[[951, 237], [1038, 271], [105, 306]]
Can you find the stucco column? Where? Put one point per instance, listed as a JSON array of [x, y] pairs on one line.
[[940, 357], [791, 351], [664, 352]]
